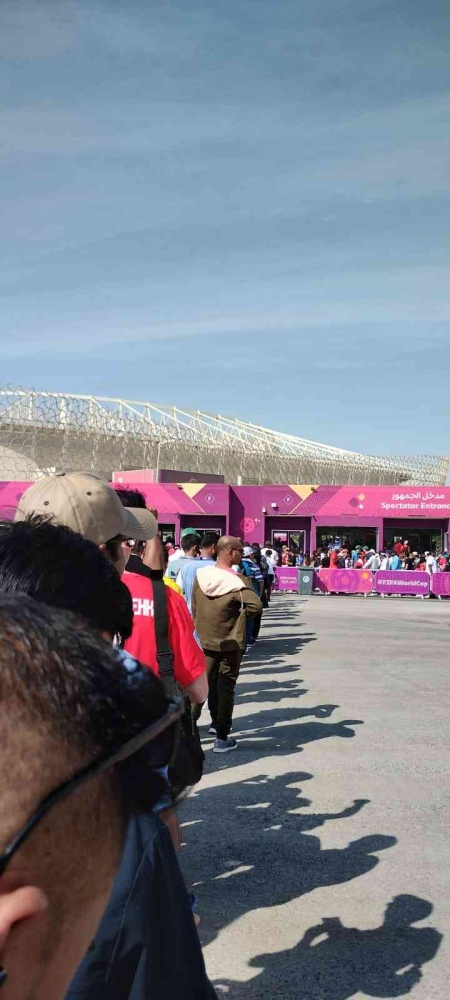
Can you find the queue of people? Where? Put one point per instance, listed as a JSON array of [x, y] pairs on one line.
[[398, 557], [110, 645], [93, 902]]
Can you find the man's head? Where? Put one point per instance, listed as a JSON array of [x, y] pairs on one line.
[[189, 545], [229, 551], [91, 507], [248, 552], [208, 545], [57, 566], [65, 700]]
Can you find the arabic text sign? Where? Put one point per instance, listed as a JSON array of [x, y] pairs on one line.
[[402, 581], [286, 578], [386, 501], [440, 584], [345, 581]]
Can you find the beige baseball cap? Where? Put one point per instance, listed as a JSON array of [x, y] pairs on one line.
[[89, 506]]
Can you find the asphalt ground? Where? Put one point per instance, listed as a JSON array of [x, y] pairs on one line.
[[319, 849]]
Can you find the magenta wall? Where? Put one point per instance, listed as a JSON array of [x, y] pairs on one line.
[[247, 511]]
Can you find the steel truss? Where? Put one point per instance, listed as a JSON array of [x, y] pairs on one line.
[[43, 431]]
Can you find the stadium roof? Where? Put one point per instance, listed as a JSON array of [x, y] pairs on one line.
[[53, 431]]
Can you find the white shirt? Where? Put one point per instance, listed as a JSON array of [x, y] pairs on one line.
[[176, 555], [431, 564], [273, 559], [373, 563]]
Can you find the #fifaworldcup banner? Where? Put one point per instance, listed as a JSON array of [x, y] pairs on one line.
[[402, 581], [286, 578], [345, 581]]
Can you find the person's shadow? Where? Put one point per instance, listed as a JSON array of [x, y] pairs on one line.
[[336, 962], [268, 856]]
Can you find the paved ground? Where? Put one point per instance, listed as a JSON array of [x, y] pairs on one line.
[[320, 847]]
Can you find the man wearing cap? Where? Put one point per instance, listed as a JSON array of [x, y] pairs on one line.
[[91, 507], [190, 541]]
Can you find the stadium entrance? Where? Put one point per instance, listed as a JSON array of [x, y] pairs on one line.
[[346, 537], [295, 540], [419, 539]]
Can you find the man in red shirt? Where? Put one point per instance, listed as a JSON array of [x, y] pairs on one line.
[[189, 664]]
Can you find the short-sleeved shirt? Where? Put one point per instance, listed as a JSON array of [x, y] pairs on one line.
[[252, 570], [188, 657], [187, 575], [174, 565]]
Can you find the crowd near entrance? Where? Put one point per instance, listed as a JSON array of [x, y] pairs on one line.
[[295, 540], [347, 538], [420, 539]]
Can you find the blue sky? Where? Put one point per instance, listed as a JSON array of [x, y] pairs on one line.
[[240, 207]]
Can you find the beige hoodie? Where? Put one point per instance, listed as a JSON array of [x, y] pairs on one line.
[[221, 602], [216, 582]]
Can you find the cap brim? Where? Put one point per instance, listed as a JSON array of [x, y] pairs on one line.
[[141, 524]]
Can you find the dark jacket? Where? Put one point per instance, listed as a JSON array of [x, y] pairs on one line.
[[147, 946]]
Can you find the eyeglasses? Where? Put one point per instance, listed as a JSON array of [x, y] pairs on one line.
[[96, 767], [93, 769]]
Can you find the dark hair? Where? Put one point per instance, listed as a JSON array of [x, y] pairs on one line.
[[57, 566], [71, 686], [209, 538], [188, 542], [269, 552], [131, 498]]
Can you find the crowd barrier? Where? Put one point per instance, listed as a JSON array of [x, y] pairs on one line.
[[363, 581], [286, 578], [345, 581]]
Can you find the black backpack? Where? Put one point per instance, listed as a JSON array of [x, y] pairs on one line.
[[186, 768]]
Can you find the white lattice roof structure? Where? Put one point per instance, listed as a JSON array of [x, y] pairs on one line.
[[53, 431]]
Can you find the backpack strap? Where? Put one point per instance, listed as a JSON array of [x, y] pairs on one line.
[[164, 653]]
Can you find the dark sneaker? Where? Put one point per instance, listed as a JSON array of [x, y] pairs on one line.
[[223, 746]]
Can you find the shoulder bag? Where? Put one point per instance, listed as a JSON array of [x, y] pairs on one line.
[[186, 768]]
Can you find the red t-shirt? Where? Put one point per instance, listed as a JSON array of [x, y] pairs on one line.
[[188, 657]]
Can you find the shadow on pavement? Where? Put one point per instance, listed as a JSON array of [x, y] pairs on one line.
[[269, 733], [250, 847], [269, 690], [263, 855], [334, 962]]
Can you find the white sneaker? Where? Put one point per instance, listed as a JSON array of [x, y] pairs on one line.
[[223, 746], [213, 731]]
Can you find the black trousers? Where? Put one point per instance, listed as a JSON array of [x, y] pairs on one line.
[[223, 672]]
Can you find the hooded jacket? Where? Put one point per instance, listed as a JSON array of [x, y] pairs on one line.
[[221, 602]]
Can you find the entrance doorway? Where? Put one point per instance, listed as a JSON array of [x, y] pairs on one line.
[[419, 539], [346, 538], [295, 540], [167, 533]]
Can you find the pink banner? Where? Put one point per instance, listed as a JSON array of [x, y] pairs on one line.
[[402, 581], [440, 584], [345, 581], [286, 578]]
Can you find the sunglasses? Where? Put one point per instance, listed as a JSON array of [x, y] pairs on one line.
[[96, 767]]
